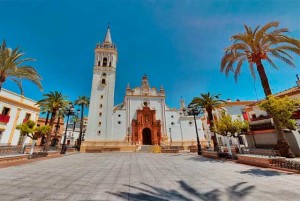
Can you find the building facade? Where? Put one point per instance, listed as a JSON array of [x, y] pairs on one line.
[[15, 109], [143, 118]]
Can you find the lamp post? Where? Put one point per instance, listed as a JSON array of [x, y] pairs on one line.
[[170, 137], [128, 129], [70, 111], [192, 109]]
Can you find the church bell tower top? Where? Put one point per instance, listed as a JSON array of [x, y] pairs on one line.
[[107, 38]]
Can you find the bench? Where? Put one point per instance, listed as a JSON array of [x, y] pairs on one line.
[[5, 159], [210, 154], [170, 151], [94, 149], [111, 149]]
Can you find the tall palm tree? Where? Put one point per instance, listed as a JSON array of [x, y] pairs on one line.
[[55, 101], [82, 101], [74, 120], [12, 66], [209, 102], [60, 115], [254, 46]]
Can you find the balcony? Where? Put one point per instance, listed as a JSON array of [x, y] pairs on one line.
[[261, 124], [261, 117], [25, 120], [296, 115], [4, 118]]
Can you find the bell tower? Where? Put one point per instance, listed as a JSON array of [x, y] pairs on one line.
[[102, 94]]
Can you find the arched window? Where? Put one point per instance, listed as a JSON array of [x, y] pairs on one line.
[[104, 62], [103, 74], [99, 63], [110, 64], [103, 81]]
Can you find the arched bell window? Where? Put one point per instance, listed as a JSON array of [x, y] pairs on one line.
[[104, 62]]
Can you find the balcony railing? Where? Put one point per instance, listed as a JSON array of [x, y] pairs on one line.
[[296, 115], [260, 118], [25, 120], [262, 124], [4, 118]]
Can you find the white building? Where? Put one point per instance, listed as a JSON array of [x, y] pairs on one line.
[[15, 109], [143, 117]]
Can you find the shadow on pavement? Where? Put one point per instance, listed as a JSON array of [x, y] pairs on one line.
[[204, 159], [156, 193], [260, 172]]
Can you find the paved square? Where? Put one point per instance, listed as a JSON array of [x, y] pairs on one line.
[[142, 176]]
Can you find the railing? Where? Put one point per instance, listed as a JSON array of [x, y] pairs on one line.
[[286, 164], [260, 118], [4, 118], [260, 152], [11, 150]]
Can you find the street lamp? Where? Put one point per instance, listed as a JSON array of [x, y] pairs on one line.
[[193, 110], [128, 129], [70, 111], [170, 137]]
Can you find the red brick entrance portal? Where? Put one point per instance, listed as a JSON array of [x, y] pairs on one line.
[[146, 129]]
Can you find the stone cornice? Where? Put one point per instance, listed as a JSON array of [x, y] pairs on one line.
[[19, 104]]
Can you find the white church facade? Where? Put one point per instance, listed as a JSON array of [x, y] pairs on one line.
[[143, 118]]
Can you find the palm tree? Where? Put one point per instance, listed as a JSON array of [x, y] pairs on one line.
[[60, 115], [55, 101], [82, 101], [74, 120], [256, 45], [209, 102], [12, 66]]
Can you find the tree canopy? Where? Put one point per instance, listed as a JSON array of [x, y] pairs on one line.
[[30, 130], [281, 109]]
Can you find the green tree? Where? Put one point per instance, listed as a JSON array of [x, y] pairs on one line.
[[228, 127], [209, 102], [12, 66], [30, 130], [254, 46], [282, 110], [82, 101], [54, 101]]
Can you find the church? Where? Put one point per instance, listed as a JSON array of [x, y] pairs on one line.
[[143, 118]]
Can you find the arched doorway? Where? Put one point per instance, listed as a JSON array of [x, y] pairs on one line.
[[147, 136]]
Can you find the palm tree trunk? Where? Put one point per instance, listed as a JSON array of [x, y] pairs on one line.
[[1, 86], [81, 125], [46, 145], [282, 144], [47, 117], [211, 122], [56, 127], [263, 78]]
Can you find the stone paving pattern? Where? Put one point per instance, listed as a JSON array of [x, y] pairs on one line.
[[143, 176]]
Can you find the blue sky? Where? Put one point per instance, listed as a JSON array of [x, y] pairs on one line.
[[178, 44]]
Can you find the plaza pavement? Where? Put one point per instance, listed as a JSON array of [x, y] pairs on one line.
[[143, 176]]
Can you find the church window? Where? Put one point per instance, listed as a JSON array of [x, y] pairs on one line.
[[100, 114], [172, 116], [119, 115], [99, 132], [172, 123], [103, 81], [99, 63], [104, 62], [190, 123], [101, 96], [100, 105], [99, 123], [110, 64], [145, 104], [119, 122]]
